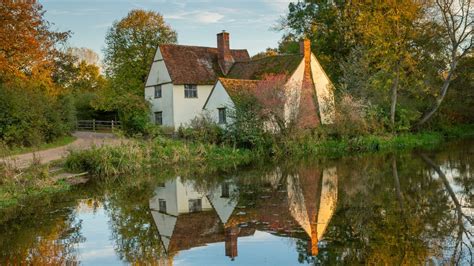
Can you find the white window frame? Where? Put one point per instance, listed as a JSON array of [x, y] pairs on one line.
[[190, 91]]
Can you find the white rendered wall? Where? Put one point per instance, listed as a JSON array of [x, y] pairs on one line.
[[186, 191], [158, 72], [169, 194], [163, 104], [219, 99], [159, 75], [186, 109], [323, 91], [293, 90]]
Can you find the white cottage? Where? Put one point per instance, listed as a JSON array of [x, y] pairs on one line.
[[184, 80]]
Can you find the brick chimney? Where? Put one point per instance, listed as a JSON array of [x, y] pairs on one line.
[[305, 50], [308, 116], [223, 52], [231, 236]]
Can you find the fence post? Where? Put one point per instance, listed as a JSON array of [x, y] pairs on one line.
[[93, 124], [112, 125]]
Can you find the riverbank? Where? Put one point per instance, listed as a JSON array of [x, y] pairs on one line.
[[141, 157], [334, 148]]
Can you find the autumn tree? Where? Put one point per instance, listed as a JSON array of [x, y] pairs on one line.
[[457, 20], [130, 46], [34, 108], [27, 43], [387, 52]]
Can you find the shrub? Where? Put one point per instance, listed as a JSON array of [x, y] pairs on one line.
[[29, 115], [202, 129]]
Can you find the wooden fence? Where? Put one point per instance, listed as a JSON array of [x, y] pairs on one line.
[[97, 125]]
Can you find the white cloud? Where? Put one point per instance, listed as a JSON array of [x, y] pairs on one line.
[[204, 17], [208, 17]]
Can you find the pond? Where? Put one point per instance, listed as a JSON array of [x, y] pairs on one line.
[[405, 208]]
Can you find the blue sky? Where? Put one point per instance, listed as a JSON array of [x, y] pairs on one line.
[[196, 21]]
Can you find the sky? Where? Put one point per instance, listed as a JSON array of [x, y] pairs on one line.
[[197, 22]]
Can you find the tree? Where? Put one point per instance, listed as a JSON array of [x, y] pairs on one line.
[[130, 46], [457, 19], [27, 44], [268, 52]]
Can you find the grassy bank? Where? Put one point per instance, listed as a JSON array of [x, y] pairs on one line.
[[35, 181], [158, 154], [340, 147]]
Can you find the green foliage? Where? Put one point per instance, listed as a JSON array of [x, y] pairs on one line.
[[134, 115], [247, 127], [29, 116], [370, 50], [202, 129], [130, 46]]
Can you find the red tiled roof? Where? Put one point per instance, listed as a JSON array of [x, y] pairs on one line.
[[194, 64]]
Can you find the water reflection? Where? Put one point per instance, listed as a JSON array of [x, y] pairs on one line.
[[386, 209], [298, 204]]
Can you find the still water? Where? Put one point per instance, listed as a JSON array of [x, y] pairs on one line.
[[387, 209]]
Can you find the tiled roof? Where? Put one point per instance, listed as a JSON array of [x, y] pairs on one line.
[[194, 64], [256, 69], [235, 87]]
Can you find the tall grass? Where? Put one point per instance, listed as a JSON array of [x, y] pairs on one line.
[[142, 155]]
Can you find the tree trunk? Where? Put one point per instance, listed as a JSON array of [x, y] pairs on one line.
[[393, 106], [444, 90], [397, 183]]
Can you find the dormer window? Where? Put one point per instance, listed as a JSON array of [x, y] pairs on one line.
[[190, 91], [157, 91]]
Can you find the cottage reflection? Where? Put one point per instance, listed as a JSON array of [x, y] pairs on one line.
[[187, 218], [298, 204], [312, 198]]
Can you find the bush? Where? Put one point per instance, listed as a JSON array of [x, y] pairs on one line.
[[134, 115], [30, 116], [202, 129], [355, 118]]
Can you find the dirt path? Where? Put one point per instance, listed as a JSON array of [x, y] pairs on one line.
[[85, 140]]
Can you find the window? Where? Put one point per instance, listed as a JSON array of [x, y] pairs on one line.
[[158, 91], [222, 116], [195, 205], [159, 118], [162, 205], [225, 190], [190, 91]]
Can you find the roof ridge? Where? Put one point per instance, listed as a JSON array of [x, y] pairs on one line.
[[198, 46], [265, 57], [221, 78]]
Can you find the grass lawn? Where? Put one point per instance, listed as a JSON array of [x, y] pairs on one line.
[[44, 146]]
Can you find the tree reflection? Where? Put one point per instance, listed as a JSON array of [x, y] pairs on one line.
[[133, 232], [463, 237], [389, 213], [43, 237]]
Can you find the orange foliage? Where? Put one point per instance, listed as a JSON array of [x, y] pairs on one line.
[[27, 46]]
